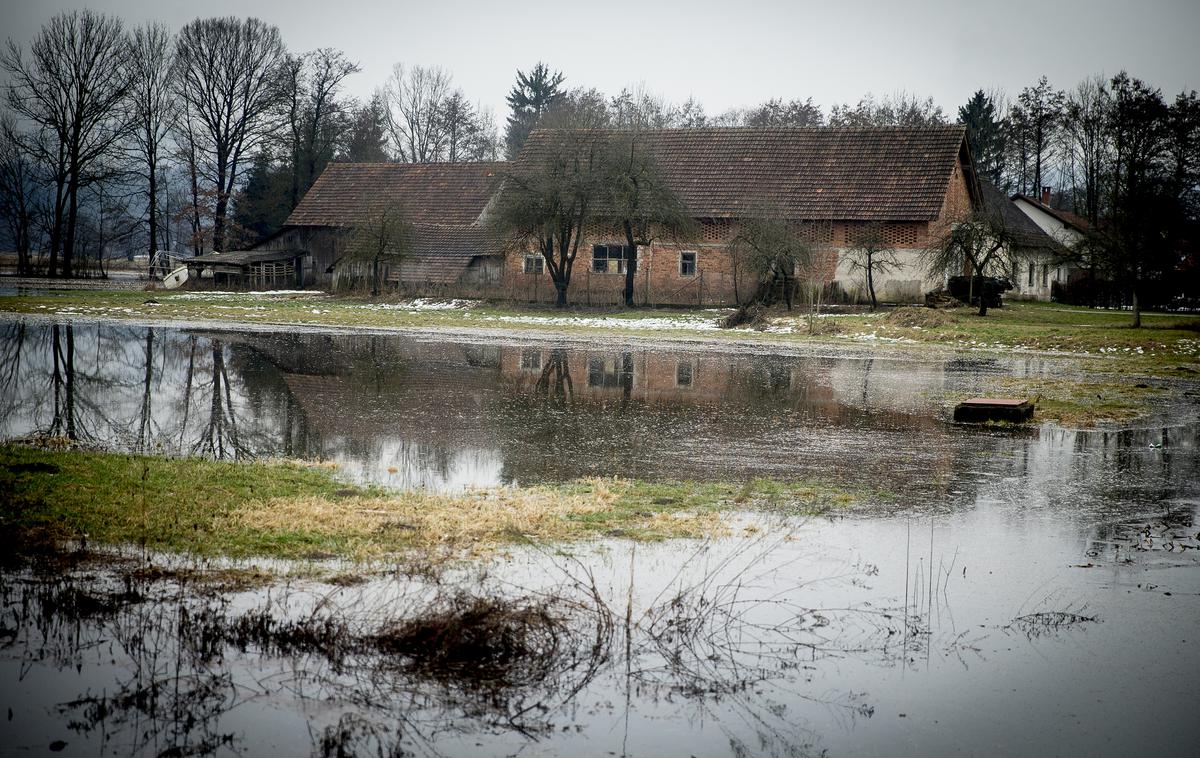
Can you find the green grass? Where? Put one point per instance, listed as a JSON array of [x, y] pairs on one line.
[[295, 510]]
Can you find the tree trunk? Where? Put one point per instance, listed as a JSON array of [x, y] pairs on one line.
[[1137, 308], [153, 210], [560, 289], [871, 283], [630, 266]]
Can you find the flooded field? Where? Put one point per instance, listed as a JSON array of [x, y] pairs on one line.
[[1004, 593]]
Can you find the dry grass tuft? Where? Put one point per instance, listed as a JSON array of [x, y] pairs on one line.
[[468, 522], [926, 318]]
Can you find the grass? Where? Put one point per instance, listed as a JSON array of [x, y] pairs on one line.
[[296, 510]]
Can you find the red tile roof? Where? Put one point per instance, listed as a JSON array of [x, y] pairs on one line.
[[434, 193], [881, 173]]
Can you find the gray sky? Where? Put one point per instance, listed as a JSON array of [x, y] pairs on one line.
[[726, 53]]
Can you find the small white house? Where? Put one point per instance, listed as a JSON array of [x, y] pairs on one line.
[[1035, 276]]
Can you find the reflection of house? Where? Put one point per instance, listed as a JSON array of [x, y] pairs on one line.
[[443, 201], [1038, 258], [912, 181]]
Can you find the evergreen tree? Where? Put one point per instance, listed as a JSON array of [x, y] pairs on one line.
[[985, 134], [367, 138], [263, 204], [530, 98]]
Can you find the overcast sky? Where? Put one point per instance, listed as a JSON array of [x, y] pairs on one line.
[[726, 53]]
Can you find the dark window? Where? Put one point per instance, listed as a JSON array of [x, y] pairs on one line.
[[1045, 275], [684, 373], [687, 263], [535, 264], [610, 372], [531, 360], [610, 259], [1030, 274]]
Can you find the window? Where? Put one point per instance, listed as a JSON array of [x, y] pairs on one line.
[[1045, 275], [1030, 274], [535, 264], [610, 259], [531, 360], [687, 263], [684, 374], [610, 372]]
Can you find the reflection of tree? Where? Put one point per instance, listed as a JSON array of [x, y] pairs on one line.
[[220, 435], [63, 423], [555, 382]]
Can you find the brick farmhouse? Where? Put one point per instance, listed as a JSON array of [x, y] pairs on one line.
[[913, 181]]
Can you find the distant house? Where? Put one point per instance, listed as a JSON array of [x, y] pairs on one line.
[[1038, 258], [1069, 230], [444, 202], [912, 180]]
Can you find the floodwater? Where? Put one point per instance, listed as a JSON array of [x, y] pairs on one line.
[[1011, 593]]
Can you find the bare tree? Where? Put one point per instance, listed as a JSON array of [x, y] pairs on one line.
[[70, 87], [1085, 142], [900, 109], [316, 117], [415, 98], [1036, 117], [639, 202], [18, 190], [385, 235], [870, 254], [982, 244], [152, 111], [549, 198], [773, 247], [228, 73], [777, 113]]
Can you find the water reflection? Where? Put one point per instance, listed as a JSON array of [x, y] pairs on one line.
[[445, 416]]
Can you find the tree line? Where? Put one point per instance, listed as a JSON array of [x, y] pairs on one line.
[[1115, 152]]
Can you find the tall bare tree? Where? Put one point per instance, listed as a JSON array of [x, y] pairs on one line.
[[415, 97], [639, 203], [70, 86], [151, 106], [228, 77], [1037, 115], [316, 115], [18, 193], [1085, 143]]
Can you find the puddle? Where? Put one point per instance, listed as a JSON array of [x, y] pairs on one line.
[[1018, 593]]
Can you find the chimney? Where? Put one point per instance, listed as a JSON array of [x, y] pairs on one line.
[[1046, 196]]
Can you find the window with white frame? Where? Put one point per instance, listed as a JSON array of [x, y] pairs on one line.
[[534, 264], [687, 263], [610, 259], [615, 371]]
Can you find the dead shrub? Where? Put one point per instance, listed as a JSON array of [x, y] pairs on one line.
[[480, 641], [752, 314]]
